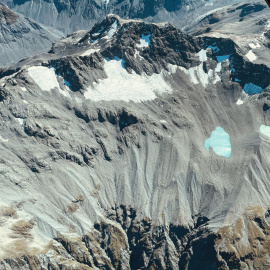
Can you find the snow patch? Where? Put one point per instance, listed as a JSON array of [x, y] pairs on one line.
[[20, 120], [144, 41], [44, 77], [251, 56], [23, 89], [202, 55], [242, 99], [137, 54], [3, 140], [254, 46], [220, 142], [239, 102], [120, 85]]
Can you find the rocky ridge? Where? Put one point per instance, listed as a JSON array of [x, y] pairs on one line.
[[69, 15], [21, 37]]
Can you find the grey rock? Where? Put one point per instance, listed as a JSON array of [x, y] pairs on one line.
[[21, 37]]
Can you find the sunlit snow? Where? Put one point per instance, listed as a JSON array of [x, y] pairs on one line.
[[112, 30], [120, 85], [20, 120], [239, 102], [44, 77], [254, 46], [202, 55], [251, 56], [220, 142]]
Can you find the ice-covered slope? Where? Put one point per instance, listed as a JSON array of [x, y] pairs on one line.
[[21, 37], [135, 146], [69, 15]]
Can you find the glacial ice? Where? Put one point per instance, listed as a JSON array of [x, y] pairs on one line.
[[252, 89], [220, 142], [222, 58], [215, 49], [120, 85]]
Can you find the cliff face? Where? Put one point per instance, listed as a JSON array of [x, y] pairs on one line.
[[21, 37], [135, 146]]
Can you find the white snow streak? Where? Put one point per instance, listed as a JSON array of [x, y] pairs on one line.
[[112, 30], [3, 140]]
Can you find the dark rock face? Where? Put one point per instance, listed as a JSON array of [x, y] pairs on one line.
[[124, 242]]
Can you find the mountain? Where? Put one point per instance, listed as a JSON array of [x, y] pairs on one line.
[[21, 37], [69, 15], [136, 146]]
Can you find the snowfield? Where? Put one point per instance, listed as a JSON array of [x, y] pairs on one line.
[[120, 85]]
